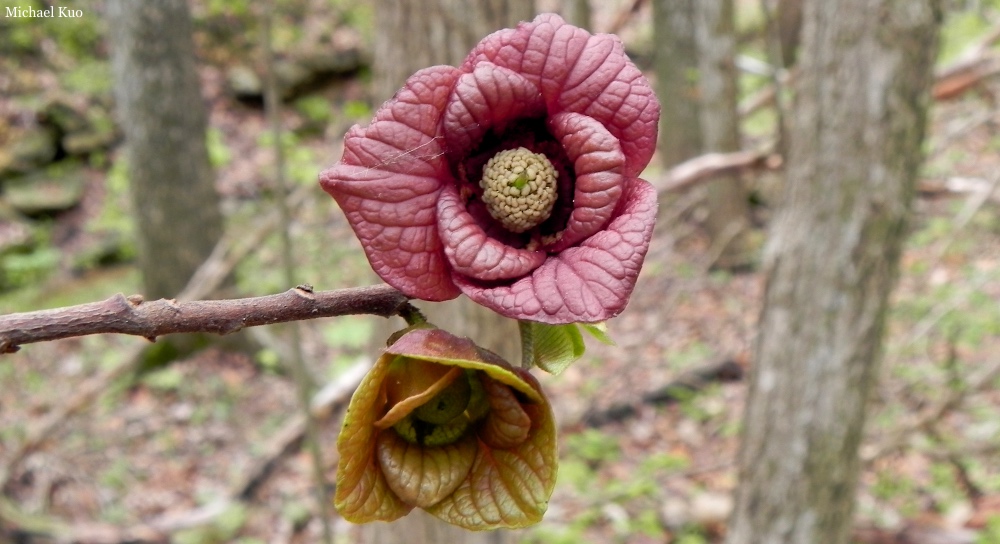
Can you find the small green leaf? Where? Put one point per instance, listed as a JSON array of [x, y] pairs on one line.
[[599, 331], [556, 346]]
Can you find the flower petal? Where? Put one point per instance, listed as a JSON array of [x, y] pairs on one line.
[[487, 98], [507, 424], [471, 252], [587, 283], [387, 184], [597, 161], [507, 487], [407, 405], [442, 347], [363, 494], [582, 73], [420, 475]]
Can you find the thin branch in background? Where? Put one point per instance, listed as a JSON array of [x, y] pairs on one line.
[[236, 244], [957, 461], [931, 428], [704, 167], [303, 381], [766, 95]]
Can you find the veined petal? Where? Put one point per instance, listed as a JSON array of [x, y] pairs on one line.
[[404, 135], [582, 73], [500, 474], [393, 216], [587, 283], [420, 475], [405, 406], [507, 487], [442, 347], [507, 424], [472, 252], [388, 181], [363, 494], [487, 98], [598, 161]]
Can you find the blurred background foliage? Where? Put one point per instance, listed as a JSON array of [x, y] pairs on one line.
[[66, 237]]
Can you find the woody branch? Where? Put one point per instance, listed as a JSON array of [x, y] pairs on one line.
[[135, 316]]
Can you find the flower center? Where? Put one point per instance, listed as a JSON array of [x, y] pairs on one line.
[[519, 188], [448, 404]]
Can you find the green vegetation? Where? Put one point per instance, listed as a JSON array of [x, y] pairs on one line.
[[943, 325]]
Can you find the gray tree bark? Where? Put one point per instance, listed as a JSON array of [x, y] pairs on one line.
[[728, 220], [164, 120], [578, 12], [676, 58], [832, 259], [414, 34], [788, 19]]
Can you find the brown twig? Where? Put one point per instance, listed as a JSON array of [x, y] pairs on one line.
[[704, 167], [132, 315]]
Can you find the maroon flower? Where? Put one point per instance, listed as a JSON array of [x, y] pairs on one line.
[[512, 179]]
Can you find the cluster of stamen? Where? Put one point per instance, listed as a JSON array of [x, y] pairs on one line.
[[519, 188]]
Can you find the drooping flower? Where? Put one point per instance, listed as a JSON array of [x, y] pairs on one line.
[[512, 179], [444, 425]]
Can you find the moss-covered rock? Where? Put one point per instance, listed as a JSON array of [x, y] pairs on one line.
[[83, 129], [56, 188], [23, 149]]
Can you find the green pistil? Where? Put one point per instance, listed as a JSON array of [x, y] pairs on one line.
[[519, 183]]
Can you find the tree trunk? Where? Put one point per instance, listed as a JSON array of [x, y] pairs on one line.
[[164, 120], [677, 80], [414, 34], [788, 19], [578, 13], [728, 219], [832, 260]]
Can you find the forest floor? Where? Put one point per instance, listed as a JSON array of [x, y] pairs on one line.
[[206, 449]]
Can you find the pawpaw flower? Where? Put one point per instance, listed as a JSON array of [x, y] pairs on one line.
[[441, 424], [512, 178]]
